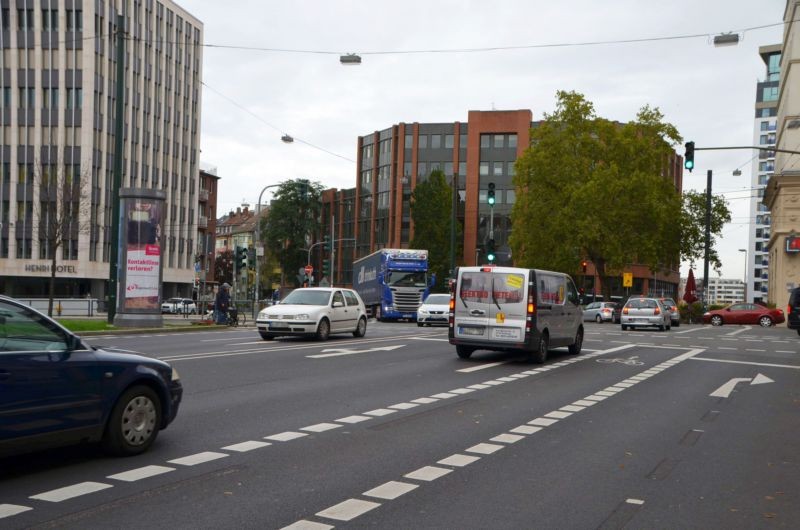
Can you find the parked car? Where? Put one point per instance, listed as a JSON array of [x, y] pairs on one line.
[[179, 306], [57, 390], [517, 310], [317, 311], [793, 310], [434, 310], [599, 312], [645, 312], [743, 313], [672, 307]]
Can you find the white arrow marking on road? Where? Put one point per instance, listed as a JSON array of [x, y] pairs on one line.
[[726, 389], [346, 351]]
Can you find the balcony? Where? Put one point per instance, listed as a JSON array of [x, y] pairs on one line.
[[204, 195], [202, 222]]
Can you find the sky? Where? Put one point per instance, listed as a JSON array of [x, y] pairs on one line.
[[252, 97]]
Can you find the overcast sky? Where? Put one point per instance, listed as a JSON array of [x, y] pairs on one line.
[[252, 97]]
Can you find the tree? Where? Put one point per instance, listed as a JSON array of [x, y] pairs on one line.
[[294, 220], [62, 206], [693, 225], [596, 189], [223, 267], [432, 213]]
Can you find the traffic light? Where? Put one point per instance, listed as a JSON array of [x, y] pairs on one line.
[[303, 190], [490, 255], [251, 258], [326, 246], [326, 267], [688, 158], [583, 264], [240, 259], [490, 194]]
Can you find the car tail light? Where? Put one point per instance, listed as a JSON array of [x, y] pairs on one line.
[[606, 310], [656, 311], [625, 311]]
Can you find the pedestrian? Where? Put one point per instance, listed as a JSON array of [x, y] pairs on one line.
[[222, 303]]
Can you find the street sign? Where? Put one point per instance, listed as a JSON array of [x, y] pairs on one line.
[[627, 279], [308, 269]]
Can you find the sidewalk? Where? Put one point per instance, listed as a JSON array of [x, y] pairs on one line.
[[171, 324]]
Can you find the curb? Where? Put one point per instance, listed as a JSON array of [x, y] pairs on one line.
[[175, 329]]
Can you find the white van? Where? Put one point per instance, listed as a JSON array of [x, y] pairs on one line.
[[514, 309]]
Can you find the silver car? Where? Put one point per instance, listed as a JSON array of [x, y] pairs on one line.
[[434, 310], [599, 312], [645, 312], [672, 307]]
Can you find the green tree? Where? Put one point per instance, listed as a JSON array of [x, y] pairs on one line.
[[591, 188], [294, 220], [693, 225], [432, 213]]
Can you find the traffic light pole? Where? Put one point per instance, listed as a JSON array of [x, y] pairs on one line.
[[708, 241]]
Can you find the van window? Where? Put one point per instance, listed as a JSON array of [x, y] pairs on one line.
[[509, 288], [475, 287], [552, 289]]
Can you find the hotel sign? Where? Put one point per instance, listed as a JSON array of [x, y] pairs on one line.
[[36, 267]]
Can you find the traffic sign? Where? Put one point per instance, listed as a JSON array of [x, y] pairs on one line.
[[627, 279], [308, 269]]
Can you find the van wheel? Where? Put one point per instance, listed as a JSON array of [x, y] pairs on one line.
[[575, 347], [540, 354], [464, 352]]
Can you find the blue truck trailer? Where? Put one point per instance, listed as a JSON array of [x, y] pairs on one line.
[[392, 282]]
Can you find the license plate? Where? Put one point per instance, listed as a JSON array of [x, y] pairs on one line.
[[470, 331], [506, 333]]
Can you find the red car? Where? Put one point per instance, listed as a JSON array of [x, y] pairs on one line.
[[744, 314]]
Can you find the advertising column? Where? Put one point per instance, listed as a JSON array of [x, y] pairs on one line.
[[140, 265]]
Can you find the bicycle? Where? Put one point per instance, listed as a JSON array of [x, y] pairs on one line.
[[235, 318]]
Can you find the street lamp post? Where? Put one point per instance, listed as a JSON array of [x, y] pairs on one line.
[[745, 272], [257, 242]]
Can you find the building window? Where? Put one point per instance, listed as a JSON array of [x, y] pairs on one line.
[[25, 18], [27, 98], [511, 171], [409, 142], [497, 169], [498, 140], [436, 141], [74, 20], [448, 141], [769, 93], [6, 101], [462, 168], [512, 140], [462, 141], [511, 196], [448, 169], [484, 169], [422, 141], [407, 168], [50, 19], [74, 98], [422, 169], [486, 141]]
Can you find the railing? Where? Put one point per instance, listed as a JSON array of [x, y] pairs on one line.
[[202, 222], [71, 307], [203, 195]]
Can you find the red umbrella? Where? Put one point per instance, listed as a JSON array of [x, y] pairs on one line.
[[690, 294]]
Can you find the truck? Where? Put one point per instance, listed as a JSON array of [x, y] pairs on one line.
[[392, 282]]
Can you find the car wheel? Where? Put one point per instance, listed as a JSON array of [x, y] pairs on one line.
[[624, 327], [420, 324], [361, 329], [323, 329], [765, 322], [677, 323], [464, 352], [575, 347], [716, 320], [134, 423], [598, 319], [540, 354], [266, 336]]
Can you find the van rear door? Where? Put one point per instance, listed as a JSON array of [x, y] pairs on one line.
[[491, 305], [473, 305]]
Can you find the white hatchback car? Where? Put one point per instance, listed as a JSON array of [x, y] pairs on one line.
[[317, 311], [434, 310]]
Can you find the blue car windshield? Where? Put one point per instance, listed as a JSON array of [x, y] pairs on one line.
[[307, 297]]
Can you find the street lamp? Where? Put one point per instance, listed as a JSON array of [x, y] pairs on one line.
[[745, 272], [257, 243]]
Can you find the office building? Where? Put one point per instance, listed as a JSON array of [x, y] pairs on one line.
[[766, 111], [57, 113], [724, 291]]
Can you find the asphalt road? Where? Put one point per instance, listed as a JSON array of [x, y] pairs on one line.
[[693, 428]]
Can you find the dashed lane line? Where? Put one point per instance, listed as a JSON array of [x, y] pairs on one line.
[[7, 510], [70, 492], [141, 473], [751, 363]]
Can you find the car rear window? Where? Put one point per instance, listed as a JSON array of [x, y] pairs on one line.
[[642, 303]]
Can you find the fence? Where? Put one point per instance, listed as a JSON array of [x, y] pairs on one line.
[[67, 307]]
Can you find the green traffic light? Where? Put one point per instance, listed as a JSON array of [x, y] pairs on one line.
[[490, 257], [490, 201], [689, 164]]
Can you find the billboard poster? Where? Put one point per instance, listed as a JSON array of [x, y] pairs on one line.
[[142, 226]]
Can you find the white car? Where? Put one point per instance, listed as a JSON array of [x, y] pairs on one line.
[[434, 310], [179, 306], [317, 311]]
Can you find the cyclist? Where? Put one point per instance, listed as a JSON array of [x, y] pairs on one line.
[[222, 303]]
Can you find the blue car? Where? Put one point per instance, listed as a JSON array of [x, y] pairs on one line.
[[56, 390]]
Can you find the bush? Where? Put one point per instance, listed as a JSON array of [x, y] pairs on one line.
[[691, 313]]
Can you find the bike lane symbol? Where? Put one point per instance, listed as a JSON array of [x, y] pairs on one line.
[[630, 361]]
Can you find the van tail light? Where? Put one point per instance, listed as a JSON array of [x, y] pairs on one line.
[[530, 310], [657, 311], [624, 310], [789, 309]]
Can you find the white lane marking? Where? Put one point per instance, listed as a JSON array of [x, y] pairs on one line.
[[479, 386], [461, 390], [391, 490], [425, 338], [246, 446], [458, 460], [635, 501], [199, 458], [354, 419], [506, 438], [443, 395], [505, 379], [307, 525], [584, 403], [688, 330], [348, 510], [481, 367], [542, 422], [595, 398], [7, 510], [750, 349], [557, 414], [143, 472], [605, 393], [404, 406], [746, 328], [423, 400], [69, 492], [519, 376], [571, 408], [484, 448], [380, 412], [525, 429], [747, 362], [285, 436], [428, 473], [493, 382], [725, 348], [761, 379], [338, 352], [624, 385], [321, 427], [726, 389], [784, 351]]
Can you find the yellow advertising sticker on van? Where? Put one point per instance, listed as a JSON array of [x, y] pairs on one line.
[[500, 318], [514, 280]]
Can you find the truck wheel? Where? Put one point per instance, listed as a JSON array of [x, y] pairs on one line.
[[464, 352], [377, 313]]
